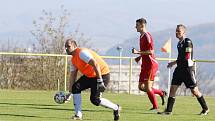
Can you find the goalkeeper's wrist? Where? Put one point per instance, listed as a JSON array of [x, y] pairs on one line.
[[100, 80], [69, 93]]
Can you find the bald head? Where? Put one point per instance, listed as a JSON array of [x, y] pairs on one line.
[[180, 31], [70, 46], [71, 41]]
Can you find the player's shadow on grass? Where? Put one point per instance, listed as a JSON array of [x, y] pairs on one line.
[[66, 109], [175, 114], [46, 107], [31, 116], [138, 110], [30, 104], [50, 108]]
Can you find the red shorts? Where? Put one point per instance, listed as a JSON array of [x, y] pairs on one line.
[[148, 72]]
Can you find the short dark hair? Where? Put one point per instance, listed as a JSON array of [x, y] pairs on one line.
[[141, 21], [72, 41], [181, 25]]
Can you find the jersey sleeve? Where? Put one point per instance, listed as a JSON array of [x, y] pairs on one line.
[[148, 38], [188, 50], [86, 56], [188, 45]]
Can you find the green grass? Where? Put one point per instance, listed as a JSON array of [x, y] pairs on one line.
[[39, 106]]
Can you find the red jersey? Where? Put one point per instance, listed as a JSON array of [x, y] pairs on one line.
[[149, 65], [147, 43]]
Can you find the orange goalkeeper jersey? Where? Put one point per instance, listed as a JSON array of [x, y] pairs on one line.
[[86, 68]]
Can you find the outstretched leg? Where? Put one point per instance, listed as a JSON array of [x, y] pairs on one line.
[[77, 101], [201, 100], [151, 94], [161, 93], [171, 100], [97, 100]]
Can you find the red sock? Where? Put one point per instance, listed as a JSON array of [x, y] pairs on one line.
[[152, 98], [157, 91]]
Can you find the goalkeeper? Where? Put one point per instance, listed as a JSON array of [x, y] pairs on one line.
[[96, 76]]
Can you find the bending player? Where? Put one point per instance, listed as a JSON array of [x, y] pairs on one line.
[[96, 76]]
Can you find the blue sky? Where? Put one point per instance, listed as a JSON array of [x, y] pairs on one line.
[[111, 21]]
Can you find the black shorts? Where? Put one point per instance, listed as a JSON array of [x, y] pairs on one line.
[[185, 75], [85, 83]]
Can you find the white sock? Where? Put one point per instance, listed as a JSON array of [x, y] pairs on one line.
[[69, 98], [108, 104], [77, 104]]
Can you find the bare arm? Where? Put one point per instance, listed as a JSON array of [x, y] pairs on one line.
[[100, 83], [72, 79], [96, 68], [171, 64], [147, 52]]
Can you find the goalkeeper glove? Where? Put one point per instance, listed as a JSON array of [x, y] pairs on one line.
[[68, 97], [100, 85]]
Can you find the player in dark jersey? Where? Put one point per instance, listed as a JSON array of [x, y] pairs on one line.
[[184, 72], [149, 65]]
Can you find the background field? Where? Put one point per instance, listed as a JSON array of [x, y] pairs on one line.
[[39, 106]]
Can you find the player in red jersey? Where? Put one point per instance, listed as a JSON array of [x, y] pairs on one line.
[[149, 65]]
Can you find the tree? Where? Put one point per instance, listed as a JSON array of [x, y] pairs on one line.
[[51, 31]]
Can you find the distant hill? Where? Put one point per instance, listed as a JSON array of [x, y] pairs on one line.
[[21, 39], [201, 35], [204, 44]]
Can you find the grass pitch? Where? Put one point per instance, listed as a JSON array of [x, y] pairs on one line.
[[39, 106]]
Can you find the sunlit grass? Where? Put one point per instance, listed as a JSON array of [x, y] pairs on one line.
[[39, 106]]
